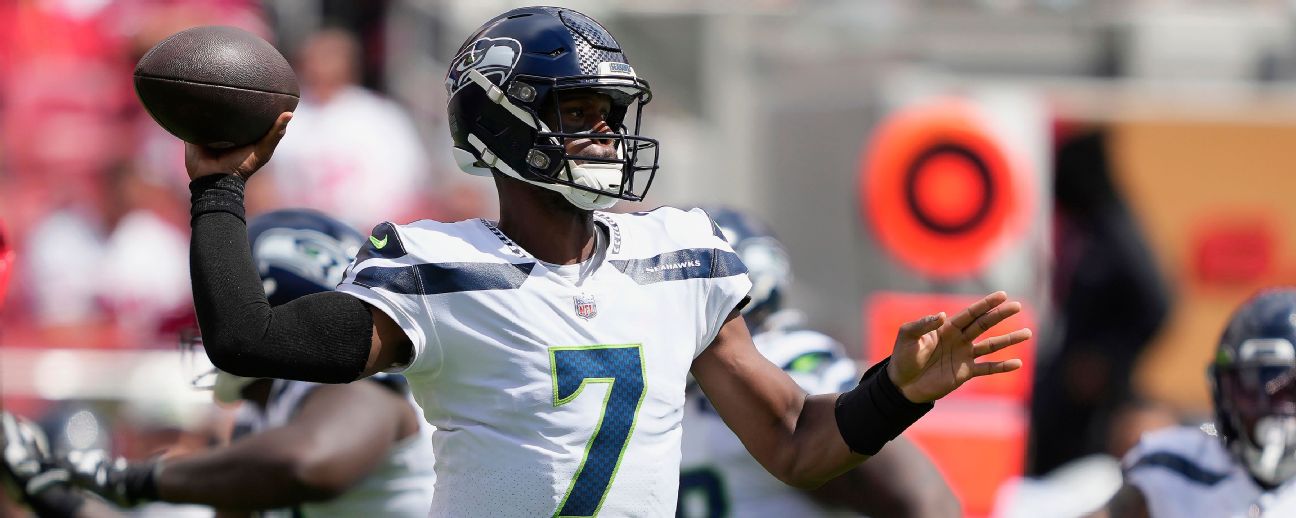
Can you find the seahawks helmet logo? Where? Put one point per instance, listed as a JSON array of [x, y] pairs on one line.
[[312, 255], [493, 57]]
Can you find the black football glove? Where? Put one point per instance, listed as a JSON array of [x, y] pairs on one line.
[[115, 479], [28, 471]]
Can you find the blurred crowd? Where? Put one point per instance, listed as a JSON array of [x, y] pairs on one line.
[[94, 192]]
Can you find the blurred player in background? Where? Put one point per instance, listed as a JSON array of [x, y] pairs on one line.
[[314, 450], [1241, 465], [552, 349], [719, 478]]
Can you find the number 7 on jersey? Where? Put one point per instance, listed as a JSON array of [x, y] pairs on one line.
[[620, 366]]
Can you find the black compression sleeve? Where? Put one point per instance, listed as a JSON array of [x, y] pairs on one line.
[[875, 412], [323, 337]]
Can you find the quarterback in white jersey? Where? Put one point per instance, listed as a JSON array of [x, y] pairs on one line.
[[719, 478], [551, 349], [562, 360], [1243, 464]]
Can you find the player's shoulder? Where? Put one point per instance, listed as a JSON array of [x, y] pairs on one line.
[[663, 228], [429, 241], [436, 258], [670, 244], [1191, 453]]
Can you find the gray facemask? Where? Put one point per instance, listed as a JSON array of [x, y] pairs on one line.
[[1273, 462]]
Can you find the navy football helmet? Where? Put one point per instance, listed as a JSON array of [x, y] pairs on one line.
[[513, 69], [297, 252], [766, 259], [1253, 384]]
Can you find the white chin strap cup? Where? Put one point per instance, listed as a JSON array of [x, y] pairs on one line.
[[595, 176]]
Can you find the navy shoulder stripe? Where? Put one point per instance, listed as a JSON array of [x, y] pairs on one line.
[[690, 263], [435, 279], [1178, 464], [384, 241]]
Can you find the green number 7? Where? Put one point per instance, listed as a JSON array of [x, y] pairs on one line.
[[620, 366]]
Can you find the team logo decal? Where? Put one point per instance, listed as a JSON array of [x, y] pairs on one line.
[[493, 57], [306, 253], [585, 307]]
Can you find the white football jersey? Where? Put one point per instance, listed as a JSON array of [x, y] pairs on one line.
[[555, 390], [718, 476], [1186, 472], [400, 487]]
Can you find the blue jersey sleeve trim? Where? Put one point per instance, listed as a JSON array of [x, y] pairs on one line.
[[436, 279], [1181, 466], [692, 263]]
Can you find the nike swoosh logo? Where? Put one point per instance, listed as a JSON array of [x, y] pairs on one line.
[[378, 243]]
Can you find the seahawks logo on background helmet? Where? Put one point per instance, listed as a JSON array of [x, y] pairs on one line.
[[309, 254], [493, 57]]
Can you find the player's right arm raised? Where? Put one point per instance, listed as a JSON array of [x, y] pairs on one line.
[[805, 440], [325, 337]]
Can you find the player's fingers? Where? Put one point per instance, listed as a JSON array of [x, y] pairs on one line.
[[922, 326], [267, 144], [978, 308], [988, 368], [990, 345], [984, 322]]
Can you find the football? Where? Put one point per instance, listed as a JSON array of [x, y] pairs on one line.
[[216, 86]]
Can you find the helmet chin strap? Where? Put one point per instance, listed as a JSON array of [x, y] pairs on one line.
[[601, 176]]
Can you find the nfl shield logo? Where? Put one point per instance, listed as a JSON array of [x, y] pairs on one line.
[[585, 307]]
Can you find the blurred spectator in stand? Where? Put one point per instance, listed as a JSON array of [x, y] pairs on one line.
[[117, 275], [88, 177], [1110, 301], [143, 276], [351, 153], [62, 125]]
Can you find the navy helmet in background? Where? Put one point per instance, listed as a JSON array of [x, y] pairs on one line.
[[1253, 384], [299, 252]]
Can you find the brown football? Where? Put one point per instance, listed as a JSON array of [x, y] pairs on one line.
[[216, 86]]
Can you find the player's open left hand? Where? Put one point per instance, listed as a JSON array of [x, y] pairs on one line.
[[243, 161], [935, 355]]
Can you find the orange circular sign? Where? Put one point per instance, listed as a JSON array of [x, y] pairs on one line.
[[939, 190]]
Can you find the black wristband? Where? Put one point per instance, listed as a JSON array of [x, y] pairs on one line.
[[140, 482], [217, 193], [873, 413], [57, 501]]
